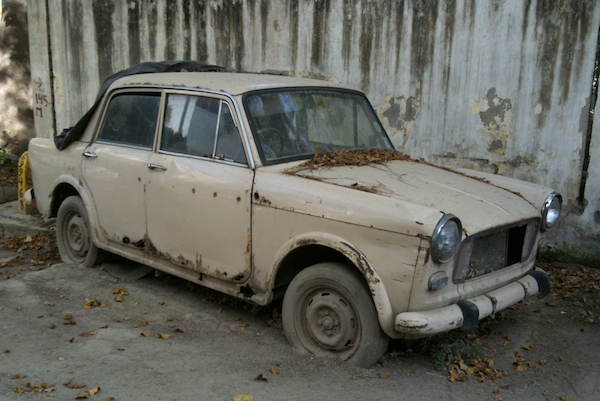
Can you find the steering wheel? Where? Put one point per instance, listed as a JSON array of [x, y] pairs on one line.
[[273, 139]]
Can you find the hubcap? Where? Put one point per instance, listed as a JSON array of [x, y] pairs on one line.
[[331, 321], [77, 236]]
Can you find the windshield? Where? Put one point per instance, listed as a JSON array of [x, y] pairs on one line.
[[294, 124]]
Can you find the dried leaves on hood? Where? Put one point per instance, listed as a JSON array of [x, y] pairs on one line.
[[345, 157]]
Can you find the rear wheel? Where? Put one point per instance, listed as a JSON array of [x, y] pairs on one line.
[[73, 234], [328, 311]]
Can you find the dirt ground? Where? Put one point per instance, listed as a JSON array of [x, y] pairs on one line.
[[64, 330]]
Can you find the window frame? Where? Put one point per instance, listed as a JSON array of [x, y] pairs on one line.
[[235, 116], [287, 159], [163, 91], [106, 106]]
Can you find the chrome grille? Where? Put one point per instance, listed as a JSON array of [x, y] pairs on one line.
[[495, 249]]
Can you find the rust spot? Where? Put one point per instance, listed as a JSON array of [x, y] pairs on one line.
[[198, 261], [214, 194], [256, 196], [126, 240], [307, 241], [363, 265], [193, 190], [140, 244], [238, 277], [239, 198]]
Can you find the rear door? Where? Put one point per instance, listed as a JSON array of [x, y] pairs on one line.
[[115, 165], [199, 188]]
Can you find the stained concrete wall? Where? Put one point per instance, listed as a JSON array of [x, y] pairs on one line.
[[501, 86], [16, 118]]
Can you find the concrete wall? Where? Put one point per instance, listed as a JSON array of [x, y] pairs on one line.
[[16, 118], [501, 86]]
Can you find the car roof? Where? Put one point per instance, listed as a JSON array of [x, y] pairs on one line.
[[234, 83]]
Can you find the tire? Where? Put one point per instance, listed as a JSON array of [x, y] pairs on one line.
[[73, 234], [328, 311]]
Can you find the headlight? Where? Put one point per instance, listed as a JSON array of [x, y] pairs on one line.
[[446, 238], [551, 211]]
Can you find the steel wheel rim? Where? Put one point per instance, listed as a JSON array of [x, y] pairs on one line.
[[76, 236], [329, 322]]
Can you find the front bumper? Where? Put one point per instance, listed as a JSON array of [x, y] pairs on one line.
[[468, 312]]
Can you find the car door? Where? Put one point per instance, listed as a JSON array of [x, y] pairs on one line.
[[199, 188], [115, 165]]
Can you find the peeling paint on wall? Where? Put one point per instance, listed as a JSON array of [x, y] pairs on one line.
[[398, 116], [495, 114]]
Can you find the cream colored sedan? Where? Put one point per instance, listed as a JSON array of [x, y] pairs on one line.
[[263, 186]]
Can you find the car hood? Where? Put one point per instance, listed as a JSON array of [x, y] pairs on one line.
[[406, 190]]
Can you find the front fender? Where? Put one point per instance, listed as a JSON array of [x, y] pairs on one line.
[[356, 257]]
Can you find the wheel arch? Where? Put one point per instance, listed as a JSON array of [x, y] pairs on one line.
[[308, 249], [67, 185]]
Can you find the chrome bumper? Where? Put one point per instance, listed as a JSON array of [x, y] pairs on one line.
[[468, 312]]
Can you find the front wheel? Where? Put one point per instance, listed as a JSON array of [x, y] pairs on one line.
[[73, 234], [328, 311]]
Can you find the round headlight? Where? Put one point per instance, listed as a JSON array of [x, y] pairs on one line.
[[551, 211], [446, 238]]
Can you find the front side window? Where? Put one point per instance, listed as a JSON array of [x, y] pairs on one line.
[[292, 125], [131, 120], [201, 126]]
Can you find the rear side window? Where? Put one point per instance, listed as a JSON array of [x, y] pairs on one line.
[[201, 126], [131, 120]]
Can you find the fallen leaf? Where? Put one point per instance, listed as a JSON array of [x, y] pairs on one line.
[[136, 304], [543, 361], [68, 316], [72, 340], [488, 345], [260, 377], [104, 326], [120, 298], [61, 359], [518, 354], [119, 290], [145, 312], [170, 319], [383, 375], [243, 326], [69, 322], [243, 397], [172, 325], [145, 334], [136, 325], [87, 393], [19, 376], [119, 320], [41, 316], [52, 326], [73, 385], [163, 336], [19, 308], [564, 398], [93, 304], [527, 347], [178, 330], [275, 371], [559, 359], [110, 399], [48, 303], [85, 334]]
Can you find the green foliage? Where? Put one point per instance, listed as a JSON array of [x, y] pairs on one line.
[[443, 348], [568, 254], [2, 157]]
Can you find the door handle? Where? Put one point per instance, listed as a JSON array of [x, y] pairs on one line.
[[153, 166], [90, 154]]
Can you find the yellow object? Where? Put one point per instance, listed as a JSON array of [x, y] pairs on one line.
[[25, 184]]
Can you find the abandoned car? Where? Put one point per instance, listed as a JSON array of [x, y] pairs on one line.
[[263, 186]]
